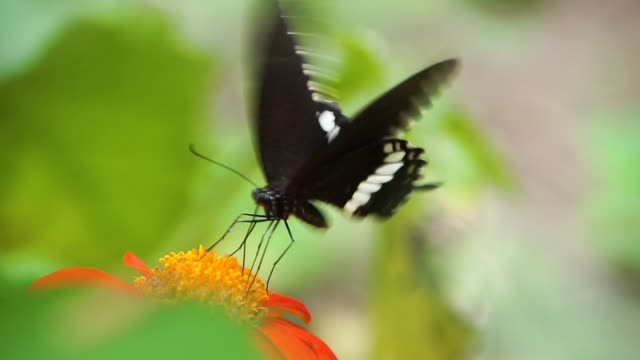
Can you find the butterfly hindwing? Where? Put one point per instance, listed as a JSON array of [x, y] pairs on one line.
[[396, 192], [372, 180], [291, 123], [382, 119]]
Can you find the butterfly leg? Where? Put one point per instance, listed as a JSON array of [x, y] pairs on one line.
[[273, 267], [239, 219], [252, 226], [262, 238], [267, 235]]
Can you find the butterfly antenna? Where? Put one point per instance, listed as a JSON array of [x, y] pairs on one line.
[[192, 148]]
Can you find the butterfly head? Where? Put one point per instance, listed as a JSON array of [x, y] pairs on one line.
[[263, 197], [274, 204]]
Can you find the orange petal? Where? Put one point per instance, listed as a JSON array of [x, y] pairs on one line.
[[80, 276], [130, 259], [295, 342], [288, 304]]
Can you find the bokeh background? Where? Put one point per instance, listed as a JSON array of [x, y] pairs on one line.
[[530, 250]]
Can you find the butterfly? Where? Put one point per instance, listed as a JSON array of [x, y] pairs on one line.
[[309, 150]]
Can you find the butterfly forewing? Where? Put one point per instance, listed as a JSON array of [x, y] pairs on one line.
[[392, 112], [291, 124]]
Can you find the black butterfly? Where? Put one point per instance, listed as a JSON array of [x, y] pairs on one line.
[[310, 151]]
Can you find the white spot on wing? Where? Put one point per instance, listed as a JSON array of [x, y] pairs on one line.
[[388, 148], [361, 197], [369, 187], [350, 207], [388, 169], [379, 179], [333, 133], [321, 88], [318, 98], [327, 121], [319, 72]]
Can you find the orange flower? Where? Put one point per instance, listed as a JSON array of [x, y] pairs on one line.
[[216, 280]]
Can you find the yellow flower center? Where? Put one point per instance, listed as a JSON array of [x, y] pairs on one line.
[[207, 277]]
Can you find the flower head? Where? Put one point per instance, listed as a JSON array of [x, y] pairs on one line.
[[218, 281], [209, 278]]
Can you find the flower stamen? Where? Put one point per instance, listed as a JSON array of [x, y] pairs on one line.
[[207, 277]]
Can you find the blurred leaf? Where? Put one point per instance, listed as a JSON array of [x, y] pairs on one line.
[[19, 268], [94, 140], [100, 325], [412, 318], [478, 160], [613, 211], [27, 28], [359, 70], [508, 8]]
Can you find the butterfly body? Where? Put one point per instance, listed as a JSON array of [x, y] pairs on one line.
[[280, 206]]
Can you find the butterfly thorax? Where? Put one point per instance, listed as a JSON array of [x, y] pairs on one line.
[[275, 205], [279, 206]]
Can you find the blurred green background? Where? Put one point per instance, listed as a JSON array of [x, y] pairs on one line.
[[529, 251]]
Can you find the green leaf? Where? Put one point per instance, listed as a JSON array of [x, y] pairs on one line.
[[411, 315], [93, 141], [510, 8], [612, 211], [28, 27], [476, 158], [360, 68], [37, 22], [103, 325]]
